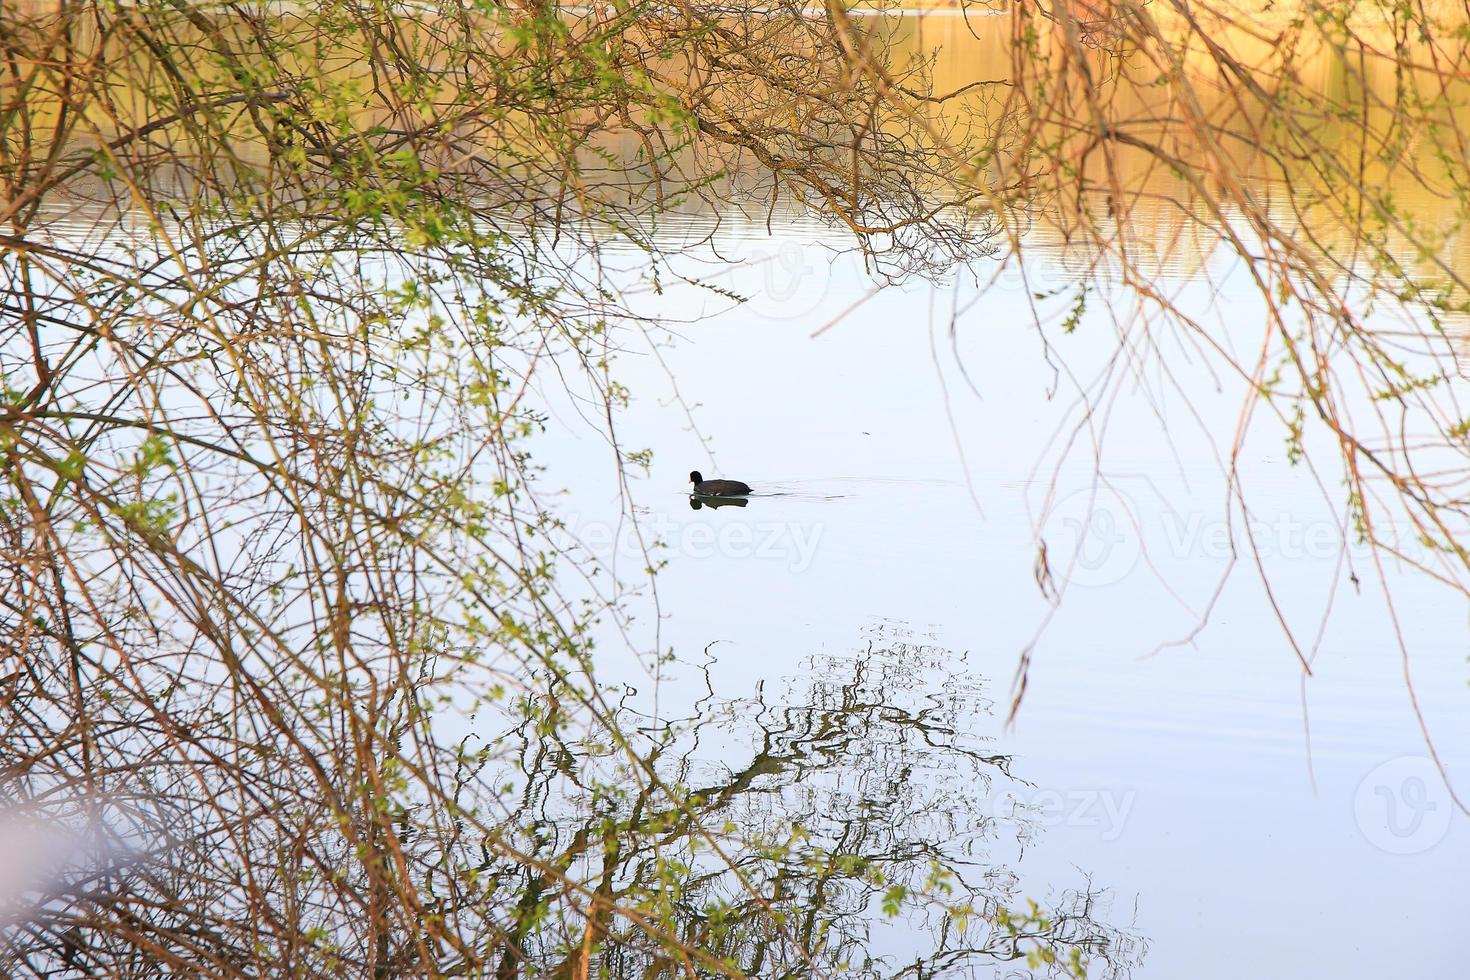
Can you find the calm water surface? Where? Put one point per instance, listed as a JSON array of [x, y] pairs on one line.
[[1245, 822], [1242, 820], [910, 448]]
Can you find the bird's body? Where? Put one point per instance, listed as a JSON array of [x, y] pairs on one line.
[[717, 488]]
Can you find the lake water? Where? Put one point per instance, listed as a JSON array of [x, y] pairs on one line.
[[847, 644], [1241, 818], [1260, 824]]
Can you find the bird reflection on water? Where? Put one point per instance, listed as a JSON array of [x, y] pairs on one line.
[[696, 502]]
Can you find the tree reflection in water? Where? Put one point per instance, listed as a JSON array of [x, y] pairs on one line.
[[842, 828]]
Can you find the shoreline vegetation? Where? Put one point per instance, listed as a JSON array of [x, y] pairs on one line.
[[293, 648]]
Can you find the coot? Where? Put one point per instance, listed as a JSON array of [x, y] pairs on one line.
[[717, 488]]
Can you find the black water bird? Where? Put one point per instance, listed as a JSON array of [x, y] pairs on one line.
[[717, 488]]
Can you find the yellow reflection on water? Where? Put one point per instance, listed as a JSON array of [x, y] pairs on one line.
[[1347, 131]]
